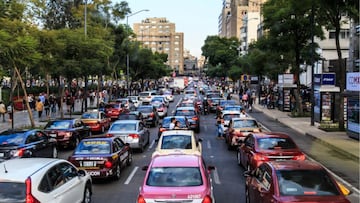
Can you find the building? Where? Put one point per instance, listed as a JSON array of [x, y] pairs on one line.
[[249, 30], [159, 35], [190, 64]]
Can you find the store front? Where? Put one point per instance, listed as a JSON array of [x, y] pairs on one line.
[[352, 98]]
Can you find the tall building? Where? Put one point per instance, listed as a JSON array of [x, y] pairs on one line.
[[159, 35]]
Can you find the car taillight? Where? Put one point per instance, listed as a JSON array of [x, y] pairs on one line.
[[300, 157], [108, 164], [109, 135], [18, 153], [195, 118], [207, 199], [141, 199], [152, 114], [259, 157], [134, 136], [148, 96], [29, 197], [162, 129]]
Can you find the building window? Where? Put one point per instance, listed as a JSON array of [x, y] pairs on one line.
[[344, 34], [176, 43], [176, 49]]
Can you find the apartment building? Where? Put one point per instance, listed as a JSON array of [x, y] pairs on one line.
[[159, 35]]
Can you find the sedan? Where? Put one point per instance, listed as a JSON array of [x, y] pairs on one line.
[[161, 109], [68, 131], [102, 157], [292, 181], [150, 114], [96, 120], [133, 132], [113, 109], [26, 143], [192, 116], [261, 147], [177, 178], [44, 180], [165, 125], [178, 141]]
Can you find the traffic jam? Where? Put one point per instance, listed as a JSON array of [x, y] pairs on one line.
[[169, 145]]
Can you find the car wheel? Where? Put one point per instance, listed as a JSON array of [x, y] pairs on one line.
[[54, 152], [247, 195], [87, 194], [129, 159], [117, 172]]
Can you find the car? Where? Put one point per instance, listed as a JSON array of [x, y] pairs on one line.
[[192, 116], [133, 132], [146, 96], [135, 100], [238, 129], [68, 131], [161, 109], [26, 143], [113, 109], [169, 96], [228, 115], [267, 146], [213, 103], [223, 103], [125, 102], [292, 181], [159, 98], [165, 125], [177, 178], [96, 120], [43, 180], [178, 141], [150, 114], [236, 108], [102, 157], [190, 92], [131, 115]]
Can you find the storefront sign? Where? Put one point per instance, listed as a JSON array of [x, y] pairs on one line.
[[353, 81], [328, 79], [288, 79], [317, 80]]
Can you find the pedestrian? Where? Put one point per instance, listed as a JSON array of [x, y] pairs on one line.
[[2, 110], [47, 107], [10, 111], [220, 126], [39, 106], [251, 101]]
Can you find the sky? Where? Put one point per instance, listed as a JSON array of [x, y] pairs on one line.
[[197, 19]]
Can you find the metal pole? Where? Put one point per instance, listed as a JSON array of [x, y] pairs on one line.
[[312, 122]]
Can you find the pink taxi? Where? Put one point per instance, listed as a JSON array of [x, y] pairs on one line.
[[177, 178]]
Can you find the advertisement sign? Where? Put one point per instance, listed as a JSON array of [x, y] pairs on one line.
[[288, 79], [353, 81], [317, 80], [328, 79]]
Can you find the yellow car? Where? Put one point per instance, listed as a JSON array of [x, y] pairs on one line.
[[178, 142]]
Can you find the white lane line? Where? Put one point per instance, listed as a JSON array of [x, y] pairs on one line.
[[208, 144], [131, 175], [216, 177], [205, 127], [151, 145], [347, 184]]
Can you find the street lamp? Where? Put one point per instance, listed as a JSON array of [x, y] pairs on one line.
[[127, 54]]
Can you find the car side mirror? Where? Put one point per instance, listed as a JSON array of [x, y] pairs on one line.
[[81, 172]]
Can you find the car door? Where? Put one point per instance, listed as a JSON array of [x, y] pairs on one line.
[[142, 132], [266, 189], [38, 145], [255, 184], [248, 150], [122, 150]]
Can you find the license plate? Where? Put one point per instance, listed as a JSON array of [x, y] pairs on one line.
[[94, 173], [88, 164]]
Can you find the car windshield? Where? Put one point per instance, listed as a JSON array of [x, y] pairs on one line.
[[9, 139], [145, 109], [230, 116], [55, 125], [275, 143], [245, 124], [306, 182], [185, 113], [93, 147], [12, 192], [227, 102], [232, 108], [166, 122], [186, 104], [123, 127], [176, 142], [174, 177], [90, 116]]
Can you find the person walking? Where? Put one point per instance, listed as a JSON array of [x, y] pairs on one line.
[[39, 106], [2, 110], [220, 127], [47, 107]]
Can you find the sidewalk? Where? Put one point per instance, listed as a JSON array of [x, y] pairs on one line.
[[338, 141]]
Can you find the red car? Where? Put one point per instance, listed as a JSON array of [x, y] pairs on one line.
[[113, 109], [292, 181], [96, 120], [267, 146]]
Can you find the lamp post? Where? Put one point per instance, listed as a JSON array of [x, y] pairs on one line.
[[127, 54]]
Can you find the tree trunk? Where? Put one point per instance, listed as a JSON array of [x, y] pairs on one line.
[[341, 78], [32, 122]]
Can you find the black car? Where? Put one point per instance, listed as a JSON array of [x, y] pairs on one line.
[[68, 131], [131, 115], [26, 143], [165, 125], [150, 114]]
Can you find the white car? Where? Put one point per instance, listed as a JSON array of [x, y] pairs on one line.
[[43, 180], [178, 142], [146, 96], [136, 100]]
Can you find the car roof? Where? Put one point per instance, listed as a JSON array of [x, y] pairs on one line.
[[20, 169], [243, 118], [126, 121], [185, 108], [294, 165], [176, 160], [177, 132], [230, 112]]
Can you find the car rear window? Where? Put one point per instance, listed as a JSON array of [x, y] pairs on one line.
[[176, 142], [54, 125], [144, 94], [306, 182], [123, 127], [275, 143], [145, 109], [90, 116], [174, 177], [12, 192], [185, 113], [245, 124], [166, 122], [93, 147], [230, 116], [232, 108], [127, 117]]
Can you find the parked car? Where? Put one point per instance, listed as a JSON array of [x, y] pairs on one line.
[[165, 125], [133, 132], [102, 157], [177, 178], [43, 180], [292, 181], [26, 143], [192, 116], [68, 131], [150, 114], [238, 129], [267, 146], [178, 141], [96, 120]]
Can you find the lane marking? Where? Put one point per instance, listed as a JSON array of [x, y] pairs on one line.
[[131, 175], [208, 144], [216, 177], [151, 145]]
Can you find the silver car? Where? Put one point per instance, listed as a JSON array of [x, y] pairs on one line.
[[133, 132]]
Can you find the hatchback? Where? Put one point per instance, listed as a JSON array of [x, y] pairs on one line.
[[292, 181], [43, 180], [177, 178]]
